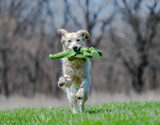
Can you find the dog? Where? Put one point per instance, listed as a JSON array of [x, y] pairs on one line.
[[76, 79]]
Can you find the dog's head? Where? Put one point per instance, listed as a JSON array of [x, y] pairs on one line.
[[73, 40]]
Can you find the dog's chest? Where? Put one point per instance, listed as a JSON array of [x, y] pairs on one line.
[[75, 68]]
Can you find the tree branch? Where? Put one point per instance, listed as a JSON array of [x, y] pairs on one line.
[[130, 66], [152, 23], [105, 23], [74, 19], [81, 6], [51, 14]]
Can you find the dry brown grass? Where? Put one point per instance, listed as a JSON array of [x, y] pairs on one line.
[[95, 98]]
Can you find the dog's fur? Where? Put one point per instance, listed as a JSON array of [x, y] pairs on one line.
[[76, 78]]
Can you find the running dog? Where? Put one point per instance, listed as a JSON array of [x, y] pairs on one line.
[[76, 79]]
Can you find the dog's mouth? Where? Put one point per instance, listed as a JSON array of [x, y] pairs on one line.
[[75, 50]]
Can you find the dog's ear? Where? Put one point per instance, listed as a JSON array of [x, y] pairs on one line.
[[64, 32], [84, 34]]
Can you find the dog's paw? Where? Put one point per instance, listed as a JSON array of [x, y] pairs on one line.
[[79, 95], [61, 81]]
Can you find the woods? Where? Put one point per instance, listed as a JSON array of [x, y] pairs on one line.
[[126, 32]]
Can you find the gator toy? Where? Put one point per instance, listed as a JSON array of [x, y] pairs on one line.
[[80, 54]]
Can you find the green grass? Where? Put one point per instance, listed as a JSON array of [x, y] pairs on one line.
[[127, 113]]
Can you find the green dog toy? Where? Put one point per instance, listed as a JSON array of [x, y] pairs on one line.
[[80, 54]]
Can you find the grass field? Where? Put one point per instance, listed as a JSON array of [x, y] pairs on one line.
[[127, 113]]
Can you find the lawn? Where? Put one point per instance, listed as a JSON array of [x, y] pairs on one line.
[[126, 113]]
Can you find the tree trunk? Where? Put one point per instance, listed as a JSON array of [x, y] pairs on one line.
[[140, 72], [5, 72], [140, 81], [58, 70]]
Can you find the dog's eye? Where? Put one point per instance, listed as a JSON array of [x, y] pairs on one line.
[[78, 40], [69, 41]]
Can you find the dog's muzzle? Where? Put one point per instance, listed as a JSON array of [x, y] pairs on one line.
[[75, 48]]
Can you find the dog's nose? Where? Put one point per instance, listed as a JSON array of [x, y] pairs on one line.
[[74, 47]]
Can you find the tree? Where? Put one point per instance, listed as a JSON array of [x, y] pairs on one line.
[[91, 19], [15, 26], [145, 31]]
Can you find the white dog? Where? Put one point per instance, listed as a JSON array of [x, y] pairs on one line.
[[76, 78]]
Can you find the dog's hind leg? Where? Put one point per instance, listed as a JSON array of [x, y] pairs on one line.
[[82, 103], [72, 99]]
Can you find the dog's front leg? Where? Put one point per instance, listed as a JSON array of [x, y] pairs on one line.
[[83, 88], [65, 80]]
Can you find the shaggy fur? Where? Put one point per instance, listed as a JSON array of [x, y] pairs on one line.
[[76, 78]]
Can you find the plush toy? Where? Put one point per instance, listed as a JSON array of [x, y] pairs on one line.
[[80, 54]]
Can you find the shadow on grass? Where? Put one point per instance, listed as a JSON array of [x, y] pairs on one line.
[[98, 111]]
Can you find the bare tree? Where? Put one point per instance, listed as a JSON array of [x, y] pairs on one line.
[[144, 41], [91, 19], [15, 26], [57, 47]]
